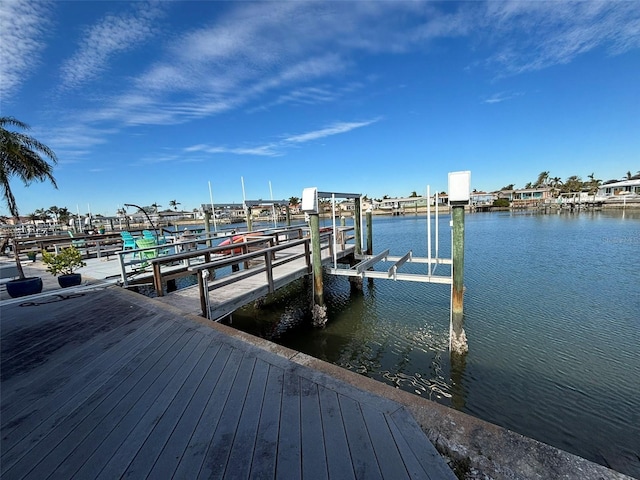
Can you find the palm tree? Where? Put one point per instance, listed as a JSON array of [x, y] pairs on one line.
[[21, 156], [572, 184], [174, 204], [594, 185], [555, 183], [542, 179]]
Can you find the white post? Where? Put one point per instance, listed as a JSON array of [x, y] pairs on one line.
[[213, 210], [429, 227], [273, 207], [437, 234], [244, 203], [361, 223]]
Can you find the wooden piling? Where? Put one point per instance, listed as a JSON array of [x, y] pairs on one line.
[[288, 214], [357, 222], [319, 310], [207, 227], [249, 220], [458, 337]]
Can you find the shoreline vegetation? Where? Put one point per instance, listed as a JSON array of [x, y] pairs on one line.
[[111, 224], [546, 194]]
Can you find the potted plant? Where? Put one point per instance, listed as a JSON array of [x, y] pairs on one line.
[[32, 256], [63, 265], [22, 156]]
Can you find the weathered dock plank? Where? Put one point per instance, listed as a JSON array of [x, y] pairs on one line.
[[363, 456], [313, 452], [339, 465], [161, 418], [238, 464], [153, 394], [289, 448], [263, 463]]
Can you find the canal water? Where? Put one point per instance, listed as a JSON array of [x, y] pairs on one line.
[[552, 317]]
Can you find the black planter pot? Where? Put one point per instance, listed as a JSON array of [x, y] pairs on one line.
[[24, 286], [70, 280]]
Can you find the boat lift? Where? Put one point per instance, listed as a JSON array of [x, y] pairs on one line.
[[459, 188], [364, 268]]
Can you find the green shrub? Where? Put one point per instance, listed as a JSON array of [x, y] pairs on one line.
[[501, 202], [63, 263]]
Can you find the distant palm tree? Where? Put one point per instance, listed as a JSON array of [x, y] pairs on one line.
[[174, 204], [594, 185], [122, 212], [21, 156], [543, 177], [555, 183], [572, 184]]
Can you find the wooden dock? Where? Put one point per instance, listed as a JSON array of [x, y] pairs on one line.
[[110, 384], [231, 292]]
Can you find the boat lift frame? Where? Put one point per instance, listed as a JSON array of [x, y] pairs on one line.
[[363, 268]]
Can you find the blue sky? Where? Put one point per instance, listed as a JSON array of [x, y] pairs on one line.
[[146, 102]]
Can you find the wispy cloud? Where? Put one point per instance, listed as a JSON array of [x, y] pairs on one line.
[[253, 56], [268, 150], [276, 149], [335, 129], [537, 35], [112, 35], [270, 54], [23, 31], [502, 97]]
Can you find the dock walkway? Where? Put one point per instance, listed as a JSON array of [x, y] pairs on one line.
[[226, 294], [108, 384]]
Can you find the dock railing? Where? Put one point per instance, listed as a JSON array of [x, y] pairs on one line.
[[179, 255], [182, 258], [89, 245], [269, 261]]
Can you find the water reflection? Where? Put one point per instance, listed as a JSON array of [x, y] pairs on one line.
[[458, 390]]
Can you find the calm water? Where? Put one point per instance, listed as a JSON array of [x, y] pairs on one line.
[[552, 316]]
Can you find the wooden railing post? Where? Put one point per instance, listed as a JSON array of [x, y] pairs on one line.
[[123, 269], [357, 222], [307, 255], [269, 268], [203, 299], [157, 279], [207, 227], [249, 220]]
